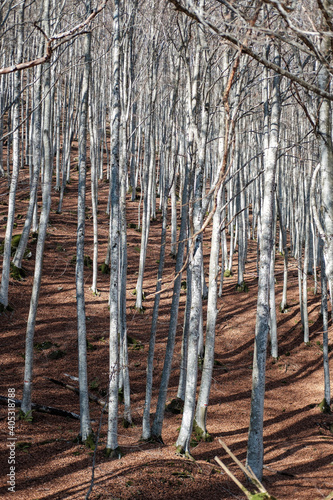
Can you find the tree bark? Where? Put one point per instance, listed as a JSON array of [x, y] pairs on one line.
[[112, 447], [255, 449]]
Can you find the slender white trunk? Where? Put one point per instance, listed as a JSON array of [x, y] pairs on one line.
[[85, 426], [16, 167], [146, 429], [36, 161], [162, 395], [207, 371], [255, 449], [112, 447], [326, 160], [44, 217]]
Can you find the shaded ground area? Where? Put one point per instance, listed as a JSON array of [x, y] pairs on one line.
[[50, 465]]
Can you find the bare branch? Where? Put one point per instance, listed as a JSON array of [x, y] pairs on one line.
[[64, 36], [252, 53]]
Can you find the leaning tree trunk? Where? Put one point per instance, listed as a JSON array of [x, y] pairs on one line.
[[162, 395], [16, 166], [44, 217], [207, 371]]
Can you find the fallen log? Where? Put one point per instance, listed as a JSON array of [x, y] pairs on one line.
[[92, 397], [42, 408]]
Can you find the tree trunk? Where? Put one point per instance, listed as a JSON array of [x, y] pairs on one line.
[[162, 395], [112, 448], [85, 426], [44, 217], [16, 166], [255, 449], [207, 371]]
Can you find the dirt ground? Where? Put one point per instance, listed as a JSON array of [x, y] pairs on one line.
[[50, 465]]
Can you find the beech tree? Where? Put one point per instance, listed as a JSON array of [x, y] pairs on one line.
[[43, 222], [112, 447], [255, 443], [79, 270], [16, 116]]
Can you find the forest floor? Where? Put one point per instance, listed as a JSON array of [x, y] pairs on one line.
[[50, 465]]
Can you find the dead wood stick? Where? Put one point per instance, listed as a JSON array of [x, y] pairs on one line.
[[92, 397], [230, 474], [262, 492], [247, 470], [42, 408]]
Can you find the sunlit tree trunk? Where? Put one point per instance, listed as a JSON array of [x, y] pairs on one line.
[[162, 395], [207, 371], [112, 448], [44, 217], [146, 429], [195, 257], [16, 165], [326, 160], [36, 163], [85, 426], [255, 449]]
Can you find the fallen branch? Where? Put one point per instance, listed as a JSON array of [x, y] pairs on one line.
[[261, 493], [92, 397], [42, 408]]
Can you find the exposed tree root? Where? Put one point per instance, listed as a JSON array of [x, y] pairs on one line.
[[115, 454], [180, 450]]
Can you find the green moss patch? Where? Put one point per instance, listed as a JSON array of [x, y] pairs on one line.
[[134, 344], [243, 287], [324, 407], [17, 273]]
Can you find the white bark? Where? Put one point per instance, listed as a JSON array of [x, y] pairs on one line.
[[208, 365], [85, 426], [162, 395], [16, 167], [112, 447], [255, 449], [44, 217]]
